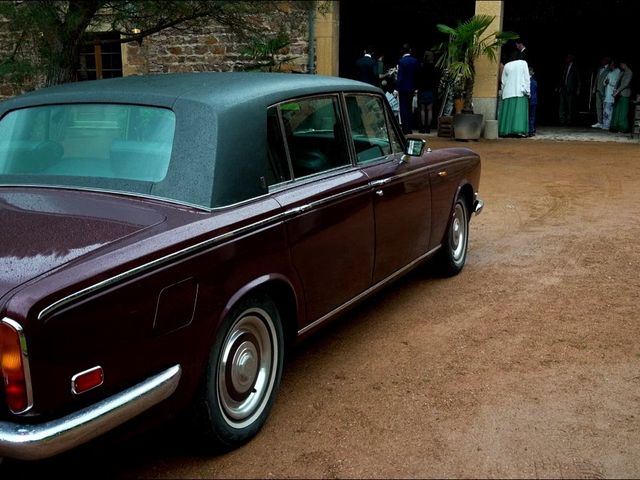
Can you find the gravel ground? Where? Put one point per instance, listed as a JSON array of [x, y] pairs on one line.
[[524, 365]]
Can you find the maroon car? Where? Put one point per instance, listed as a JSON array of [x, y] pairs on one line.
[[166, 239]]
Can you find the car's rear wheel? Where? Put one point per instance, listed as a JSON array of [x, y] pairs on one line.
[[243, 374], [453, 253]]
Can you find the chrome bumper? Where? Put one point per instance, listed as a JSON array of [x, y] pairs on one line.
[[478, 205], [33, 442]]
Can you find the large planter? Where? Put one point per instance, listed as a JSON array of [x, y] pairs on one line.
[[467, 126]]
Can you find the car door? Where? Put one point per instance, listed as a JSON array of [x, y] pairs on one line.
[[400, 186], [326, 201]]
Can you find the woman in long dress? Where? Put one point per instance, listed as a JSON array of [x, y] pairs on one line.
[[620, 115], [514, 111]]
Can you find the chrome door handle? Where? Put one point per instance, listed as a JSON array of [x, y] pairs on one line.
[[297, 210], [379, 183], [380, 193]]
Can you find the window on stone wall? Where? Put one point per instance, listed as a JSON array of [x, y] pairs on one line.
[[101, 60]]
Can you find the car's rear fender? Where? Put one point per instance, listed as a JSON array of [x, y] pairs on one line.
[[281, 290]]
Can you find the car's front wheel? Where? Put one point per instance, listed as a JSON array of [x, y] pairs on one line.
[[243, 374], [453, 253]]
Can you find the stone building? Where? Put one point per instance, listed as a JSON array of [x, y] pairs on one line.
[[212, 47], [208, 47]]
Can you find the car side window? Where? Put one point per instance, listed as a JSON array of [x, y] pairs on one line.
[[372, 136], [314, 135], [277, 165]]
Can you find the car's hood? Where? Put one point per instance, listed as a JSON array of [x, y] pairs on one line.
[[42, 229]]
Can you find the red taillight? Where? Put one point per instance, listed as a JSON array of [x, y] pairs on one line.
[[13, 366], [85, 381]]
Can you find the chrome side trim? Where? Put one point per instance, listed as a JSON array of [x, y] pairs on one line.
[[157, 262], [368, 291], [337, 196], [25, 361], [188, 250], [412, 172], [37, 441]]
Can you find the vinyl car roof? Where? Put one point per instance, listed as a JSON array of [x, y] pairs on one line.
[[220, 144]]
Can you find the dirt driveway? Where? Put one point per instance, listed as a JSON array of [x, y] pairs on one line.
[[527, 364]]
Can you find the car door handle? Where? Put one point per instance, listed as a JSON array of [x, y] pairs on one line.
[[296, 210], [379, 183]]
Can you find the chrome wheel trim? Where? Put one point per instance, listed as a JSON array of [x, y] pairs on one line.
[[247, 368], [458, 234]]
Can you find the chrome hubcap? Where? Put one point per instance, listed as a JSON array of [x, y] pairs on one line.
[[458, 237], [247, 368], [242, 371]]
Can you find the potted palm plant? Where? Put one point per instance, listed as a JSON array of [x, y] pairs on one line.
[[467, 42]]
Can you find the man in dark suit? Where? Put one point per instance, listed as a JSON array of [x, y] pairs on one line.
[[569, 91], [406, 85], [367, 68]]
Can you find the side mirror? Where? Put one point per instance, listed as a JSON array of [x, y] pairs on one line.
[[415, 147]]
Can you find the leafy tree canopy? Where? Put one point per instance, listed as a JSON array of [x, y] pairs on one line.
[[49, 34]]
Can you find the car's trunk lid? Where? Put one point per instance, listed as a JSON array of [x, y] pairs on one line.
[[43, 229]]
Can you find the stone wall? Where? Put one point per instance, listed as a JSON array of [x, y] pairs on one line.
[[208, 47], [212, 47]]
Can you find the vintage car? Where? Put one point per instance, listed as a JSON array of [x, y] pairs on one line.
[[166, 239]]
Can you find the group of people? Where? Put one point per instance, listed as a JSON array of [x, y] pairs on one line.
[[518, 92], [401, 83], [612, 90], [519, 97]]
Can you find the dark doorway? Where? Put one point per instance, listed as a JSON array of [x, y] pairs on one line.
[[388, 24], [589, 29]]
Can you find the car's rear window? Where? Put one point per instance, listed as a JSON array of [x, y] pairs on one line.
[[85, 144]]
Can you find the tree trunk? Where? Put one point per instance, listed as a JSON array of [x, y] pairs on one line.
[[62, 64], [468, 92], [62, 51]]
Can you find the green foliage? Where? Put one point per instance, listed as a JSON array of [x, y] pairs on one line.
[[467, 42], [17, 71], [267, 52], [50, 33]]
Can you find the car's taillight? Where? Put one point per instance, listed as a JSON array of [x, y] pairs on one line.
[[14, 366]]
